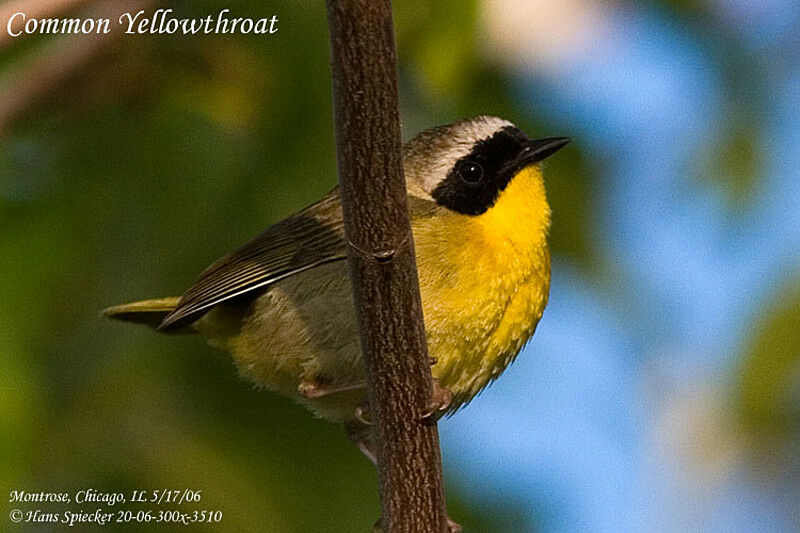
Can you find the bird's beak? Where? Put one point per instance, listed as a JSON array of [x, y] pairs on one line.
[[540, 149]]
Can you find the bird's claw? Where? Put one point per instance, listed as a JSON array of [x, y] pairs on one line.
[[362, 414], [440, 401], [453, 526]]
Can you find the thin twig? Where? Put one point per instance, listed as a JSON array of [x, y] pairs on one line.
[[34, 9], [58, 61]]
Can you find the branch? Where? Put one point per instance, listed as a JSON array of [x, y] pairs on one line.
[[383, 266], [33, 9], [49, 70]]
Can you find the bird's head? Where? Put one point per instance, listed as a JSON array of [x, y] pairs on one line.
[[484, 173], [468, 166]]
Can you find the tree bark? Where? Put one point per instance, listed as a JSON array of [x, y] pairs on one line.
[[383, 266]]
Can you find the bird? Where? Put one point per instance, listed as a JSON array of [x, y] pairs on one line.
[[282, 303]]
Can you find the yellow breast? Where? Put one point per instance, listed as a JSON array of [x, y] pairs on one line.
[[484, 281]]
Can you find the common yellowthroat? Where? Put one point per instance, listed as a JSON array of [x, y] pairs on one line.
[[282, 303]]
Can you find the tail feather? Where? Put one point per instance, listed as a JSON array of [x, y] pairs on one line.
[[147, 312]]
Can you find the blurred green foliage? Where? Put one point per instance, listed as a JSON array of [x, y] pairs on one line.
[[769, 377]]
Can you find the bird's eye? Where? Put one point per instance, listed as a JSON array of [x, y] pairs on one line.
[[470, 172]]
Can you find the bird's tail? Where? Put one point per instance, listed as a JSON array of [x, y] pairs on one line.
[[147, 312]]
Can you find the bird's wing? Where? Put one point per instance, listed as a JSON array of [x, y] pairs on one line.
[[302, 241]]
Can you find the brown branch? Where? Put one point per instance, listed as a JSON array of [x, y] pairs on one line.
[[47, 71], [383, 266], [33, 9]]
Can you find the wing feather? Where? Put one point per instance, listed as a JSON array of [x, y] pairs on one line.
[[302, 241]]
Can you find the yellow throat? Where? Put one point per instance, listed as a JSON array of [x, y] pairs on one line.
[[484, 281]]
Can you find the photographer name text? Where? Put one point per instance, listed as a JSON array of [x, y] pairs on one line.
[[98, 508], [161, 22]]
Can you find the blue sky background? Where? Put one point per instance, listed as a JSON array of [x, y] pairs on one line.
[[576, 428]]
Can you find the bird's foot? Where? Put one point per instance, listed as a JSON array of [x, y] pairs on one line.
[[452, 526], [310, 389], [362, 413], [440, 402]]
